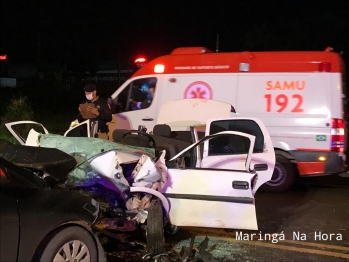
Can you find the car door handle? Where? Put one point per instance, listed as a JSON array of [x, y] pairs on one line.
[[240, 185], [261, 167], [147, 119]]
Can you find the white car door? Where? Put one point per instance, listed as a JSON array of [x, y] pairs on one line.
[[26, 132], [231, 154], [83, 129], [207, 197]]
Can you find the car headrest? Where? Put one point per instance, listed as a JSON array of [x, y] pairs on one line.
[[118, 133], [162, 130]]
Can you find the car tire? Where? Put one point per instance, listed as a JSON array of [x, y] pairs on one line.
[[154, 230], [283, 176], [63, 241]]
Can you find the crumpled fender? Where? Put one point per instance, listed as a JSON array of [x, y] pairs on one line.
[[164, 200]]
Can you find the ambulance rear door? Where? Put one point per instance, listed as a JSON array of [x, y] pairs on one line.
[[295, 107]]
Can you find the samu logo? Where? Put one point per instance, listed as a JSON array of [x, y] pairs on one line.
[[320, 138]]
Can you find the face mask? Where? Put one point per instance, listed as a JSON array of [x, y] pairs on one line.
[[89, 97]]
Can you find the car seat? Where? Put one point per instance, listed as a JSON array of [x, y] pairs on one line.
[[118, 134], [130, 139], [136, 140], [162, 134], [162, 130]]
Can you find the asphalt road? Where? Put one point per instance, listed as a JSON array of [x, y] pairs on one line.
[[308, 223]]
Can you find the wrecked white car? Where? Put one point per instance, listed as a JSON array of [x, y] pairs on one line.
[[154, 179]]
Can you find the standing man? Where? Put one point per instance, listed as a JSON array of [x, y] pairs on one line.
[[101, 110]]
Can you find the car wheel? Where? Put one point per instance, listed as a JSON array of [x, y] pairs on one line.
[[283, 176], [71, 244], [154, 230]]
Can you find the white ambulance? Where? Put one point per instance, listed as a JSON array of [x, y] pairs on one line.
[[300, 97]]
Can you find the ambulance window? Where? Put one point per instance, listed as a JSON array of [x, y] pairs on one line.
[[232, 145], [137, 95]]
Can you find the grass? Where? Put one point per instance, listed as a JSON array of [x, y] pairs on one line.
[[6, 135]]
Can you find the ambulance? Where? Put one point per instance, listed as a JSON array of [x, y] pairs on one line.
[[299, 96]]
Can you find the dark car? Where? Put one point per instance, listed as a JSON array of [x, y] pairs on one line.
[[38, 223]]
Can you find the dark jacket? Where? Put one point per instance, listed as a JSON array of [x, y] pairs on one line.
[[104, 117]]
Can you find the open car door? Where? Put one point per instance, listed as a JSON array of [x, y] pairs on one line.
[[86, 128], [230, 153], [26, 132], [208, 197]]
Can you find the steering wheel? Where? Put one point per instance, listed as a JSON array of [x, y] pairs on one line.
[[149, 137]]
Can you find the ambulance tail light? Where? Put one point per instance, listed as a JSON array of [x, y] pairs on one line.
[[325, 67], [337, 135]]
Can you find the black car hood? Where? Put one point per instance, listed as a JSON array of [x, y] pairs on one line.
[[51, 160]]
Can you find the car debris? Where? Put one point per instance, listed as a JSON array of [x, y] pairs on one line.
[[189, 253]]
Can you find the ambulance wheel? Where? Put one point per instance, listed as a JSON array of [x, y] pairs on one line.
[[283, 176]]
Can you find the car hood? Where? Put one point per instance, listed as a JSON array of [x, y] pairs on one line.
[[51, 160], [68, 157]]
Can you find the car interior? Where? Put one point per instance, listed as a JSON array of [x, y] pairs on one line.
[[173, 142], [162, 138]]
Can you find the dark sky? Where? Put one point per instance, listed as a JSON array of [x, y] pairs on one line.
[[79, 30]]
